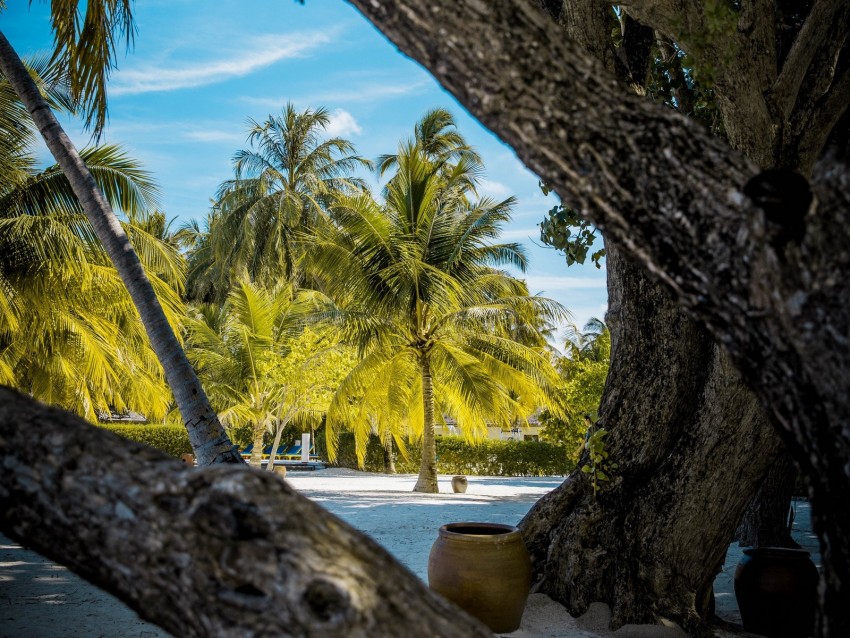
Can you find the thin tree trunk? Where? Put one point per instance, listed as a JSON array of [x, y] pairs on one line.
[[278, 432], [259, 433], [389, 460], [212, 551], [427, 481], [206, 435]]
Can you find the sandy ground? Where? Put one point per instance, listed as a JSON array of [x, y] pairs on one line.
[[39, 598]]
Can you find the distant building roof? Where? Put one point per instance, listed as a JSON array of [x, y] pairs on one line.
[[121, 417]]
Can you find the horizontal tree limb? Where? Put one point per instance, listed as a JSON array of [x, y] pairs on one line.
[[214, 551]]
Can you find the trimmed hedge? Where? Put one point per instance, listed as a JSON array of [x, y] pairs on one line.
[[457, 456], [171, 439]]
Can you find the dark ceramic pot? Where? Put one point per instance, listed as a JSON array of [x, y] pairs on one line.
[[459, 484], [776, 590], [483, 568]]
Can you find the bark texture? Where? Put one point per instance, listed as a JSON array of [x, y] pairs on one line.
[[671, 197], [214, 551], [427, 480], [655, 537], [206, 435], [768, 519], [680, 388]]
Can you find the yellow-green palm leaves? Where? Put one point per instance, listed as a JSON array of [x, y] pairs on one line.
[[283, 182], [243, 351], [69, 333], [87, 36], [418, 291]]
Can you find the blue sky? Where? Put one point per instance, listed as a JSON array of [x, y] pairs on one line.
[[180, 102]]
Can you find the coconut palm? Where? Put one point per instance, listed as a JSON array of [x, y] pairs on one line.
[[418, 292], [282, 184], [69, 334], [84, 47], [243, 351], [437, 135], [592, 343]]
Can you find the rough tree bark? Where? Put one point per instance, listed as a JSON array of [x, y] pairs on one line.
[[427, 479], [768, 520], [669, 382], [672, 198], [208, 438], [692, 447], [214, 551]]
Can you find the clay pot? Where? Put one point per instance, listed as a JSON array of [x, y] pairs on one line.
[[483, 568], [459, 484], [188, 459], [776, 590]]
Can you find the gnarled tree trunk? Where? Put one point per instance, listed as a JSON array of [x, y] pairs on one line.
[[767, 521], [668, 381], [692, 447], [672, 198], [214, 551]]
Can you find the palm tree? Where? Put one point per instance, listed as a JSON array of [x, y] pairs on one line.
[[249, 354], [69, 334], [87, 56], [440, 141], [592, 343], [418, 292], [282, 184]]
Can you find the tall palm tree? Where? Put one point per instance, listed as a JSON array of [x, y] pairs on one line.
[[282, 183], [85, 49], [418, 292], [440, 141]]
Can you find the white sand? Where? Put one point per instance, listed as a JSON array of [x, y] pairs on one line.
[[39, 598]]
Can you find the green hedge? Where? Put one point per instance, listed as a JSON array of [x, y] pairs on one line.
[[457, 456], [171, 439]]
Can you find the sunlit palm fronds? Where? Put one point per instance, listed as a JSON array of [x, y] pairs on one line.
[[283, 184], [419, 293], [86, 42]]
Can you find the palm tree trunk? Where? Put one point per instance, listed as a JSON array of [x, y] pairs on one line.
[[258, 432], [278, 431], [389, 461], [427, 481], [208, 438]]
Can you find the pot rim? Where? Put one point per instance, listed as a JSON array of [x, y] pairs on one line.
[[493, 532], [785, 552]]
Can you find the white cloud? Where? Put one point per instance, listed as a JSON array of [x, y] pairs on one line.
[[520, 234], [494, 189], [373, 92], [360, 93], [215, 136], [342, 124], [258, 52]]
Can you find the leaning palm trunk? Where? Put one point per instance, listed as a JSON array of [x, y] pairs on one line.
[[207, 436], [427, 481], [278, 432]]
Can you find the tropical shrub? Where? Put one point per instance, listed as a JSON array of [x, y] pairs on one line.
[[171, 439], [458, 456]]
